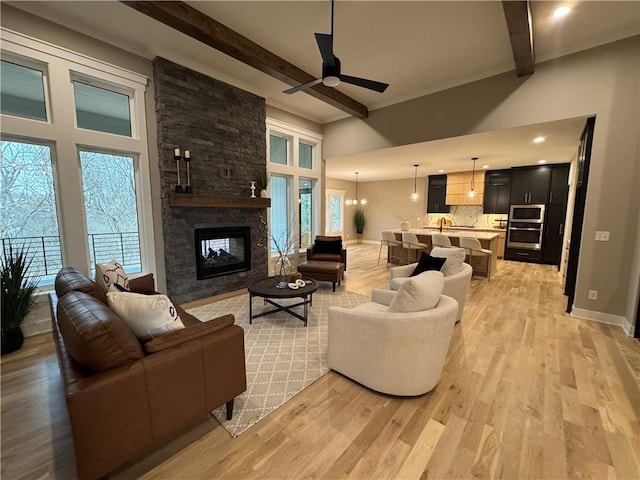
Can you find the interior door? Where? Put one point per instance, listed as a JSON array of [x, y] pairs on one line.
[[584, 159]]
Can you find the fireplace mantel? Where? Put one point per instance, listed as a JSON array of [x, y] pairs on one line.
[[213, 201]]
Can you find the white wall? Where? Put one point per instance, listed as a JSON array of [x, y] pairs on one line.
[[604, 82]]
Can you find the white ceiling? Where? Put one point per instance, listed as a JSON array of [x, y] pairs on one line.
[[418, 47], [501, 149]]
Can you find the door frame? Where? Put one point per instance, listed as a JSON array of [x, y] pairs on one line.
[[584, 161]]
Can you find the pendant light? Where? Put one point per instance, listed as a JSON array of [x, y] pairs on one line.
[[414, 195], [472, 192], [355, 201]]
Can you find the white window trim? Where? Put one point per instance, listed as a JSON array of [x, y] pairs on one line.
[[60, 129], [294, 135]]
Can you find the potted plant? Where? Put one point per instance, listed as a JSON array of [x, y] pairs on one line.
[[359, 220], [262, 181], [16, 297]]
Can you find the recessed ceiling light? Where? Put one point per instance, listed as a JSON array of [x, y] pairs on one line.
[[542, 161], [440, 171], [539, 139], [485, 166], [561, 12]]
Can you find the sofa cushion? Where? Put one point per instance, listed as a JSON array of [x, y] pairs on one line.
[[144, 284], [370, 307], [108, 274], [95, 336], [455, 258], [331, 245], [418, 293], [148, 316], [426, 263], [70, 279]]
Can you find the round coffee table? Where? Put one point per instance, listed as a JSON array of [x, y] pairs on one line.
[[266, 288]]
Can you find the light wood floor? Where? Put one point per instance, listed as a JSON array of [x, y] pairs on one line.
[[527, 392]]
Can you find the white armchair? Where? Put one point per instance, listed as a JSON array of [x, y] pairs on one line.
[[389, 348], [457, 275]]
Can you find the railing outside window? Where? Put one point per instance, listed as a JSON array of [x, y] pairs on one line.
[[103, 247]]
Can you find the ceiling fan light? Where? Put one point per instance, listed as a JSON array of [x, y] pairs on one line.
[[331, 81]]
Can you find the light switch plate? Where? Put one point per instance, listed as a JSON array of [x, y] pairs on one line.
[[602, 236]]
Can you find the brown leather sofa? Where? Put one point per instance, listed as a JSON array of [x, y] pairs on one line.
[[328, 249], [126, 398]]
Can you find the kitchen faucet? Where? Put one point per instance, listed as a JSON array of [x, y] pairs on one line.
[[441, 221]]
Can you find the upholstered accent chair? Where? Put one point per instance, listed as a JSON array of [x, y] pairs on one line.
[[328, 249], [457, 275], [396, 344]]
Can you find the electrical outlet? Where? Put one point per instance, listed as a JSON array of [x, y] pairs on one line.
[[593, 294], [602, 236]]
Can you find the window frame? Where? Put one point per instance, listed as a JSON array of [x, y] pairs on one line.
[[294, 135], [61, 129]]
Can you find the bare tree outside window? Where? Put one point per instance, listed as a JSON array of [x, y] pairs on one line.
[[111, 209], [28, 216]]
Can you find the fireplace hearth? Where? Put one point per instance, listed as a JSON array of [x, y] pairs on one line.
[[222, 251]]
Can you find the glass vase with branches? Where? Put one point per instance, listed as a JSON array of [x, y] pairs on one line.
[[283, 244]]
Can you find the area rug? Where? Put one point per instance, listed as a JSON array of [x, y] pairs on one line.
[[282, 355]]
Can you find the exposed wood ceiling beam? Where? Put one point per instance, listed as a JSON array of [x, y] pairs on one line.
[[199, 26], [518, 16]]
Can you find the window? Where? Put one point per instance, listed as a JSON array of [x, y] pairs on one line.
[[101, 109], [93, 171], [295, 184], [28, 215], [110, 205], [335, 212], [305, 207], [278, 150], [306, 155], [280, 231], [22, 91]]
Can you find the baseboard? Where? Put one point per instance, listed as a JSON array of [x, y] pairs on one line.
[[601, 317], [356, 242]]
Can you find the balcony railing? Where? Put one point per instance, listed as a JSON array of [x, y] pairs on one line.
[[103, 247]]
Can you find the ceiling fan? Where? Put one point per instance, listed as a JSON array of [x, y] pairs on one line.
[[331, 75]]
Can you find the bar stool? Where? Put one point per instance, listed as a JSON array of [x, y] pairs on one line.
[[411, 243], [473, 248], [388, 238], [440, 240]]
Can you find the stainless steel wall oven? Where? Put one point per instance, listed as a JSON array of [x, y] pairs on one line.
[[526, 225]]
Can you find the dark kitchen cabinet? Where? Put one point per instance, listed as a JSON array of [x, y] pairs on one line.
[[556, 213], [497, 190], [559, 187], [437, 194], [554, 233], [530, 185]]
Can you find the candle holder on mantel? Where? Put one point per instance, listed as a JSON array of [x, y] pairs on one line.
[[177, 158], [187, 160]]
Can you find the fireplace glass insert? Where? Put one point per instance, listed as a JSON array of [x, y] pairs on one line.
[[221, 251]]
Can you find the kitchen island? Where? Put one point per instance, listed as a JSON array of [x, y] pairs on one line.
[[488, 240]]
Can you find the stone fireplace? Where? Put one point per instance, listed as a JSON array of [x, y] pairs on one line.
[[224, 129]]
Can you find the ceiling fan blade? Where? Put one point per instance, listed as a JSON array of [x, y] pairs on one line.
[[325, 44], [363, 82], [303, 86]]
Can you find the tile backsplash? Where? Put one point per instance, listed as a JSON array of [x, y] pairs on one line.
[[467, 216]]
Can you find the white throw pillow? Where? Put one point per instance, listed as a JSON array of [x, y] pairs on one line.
[[108, 274], [455, 258], [148, 316], [418, 293]]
